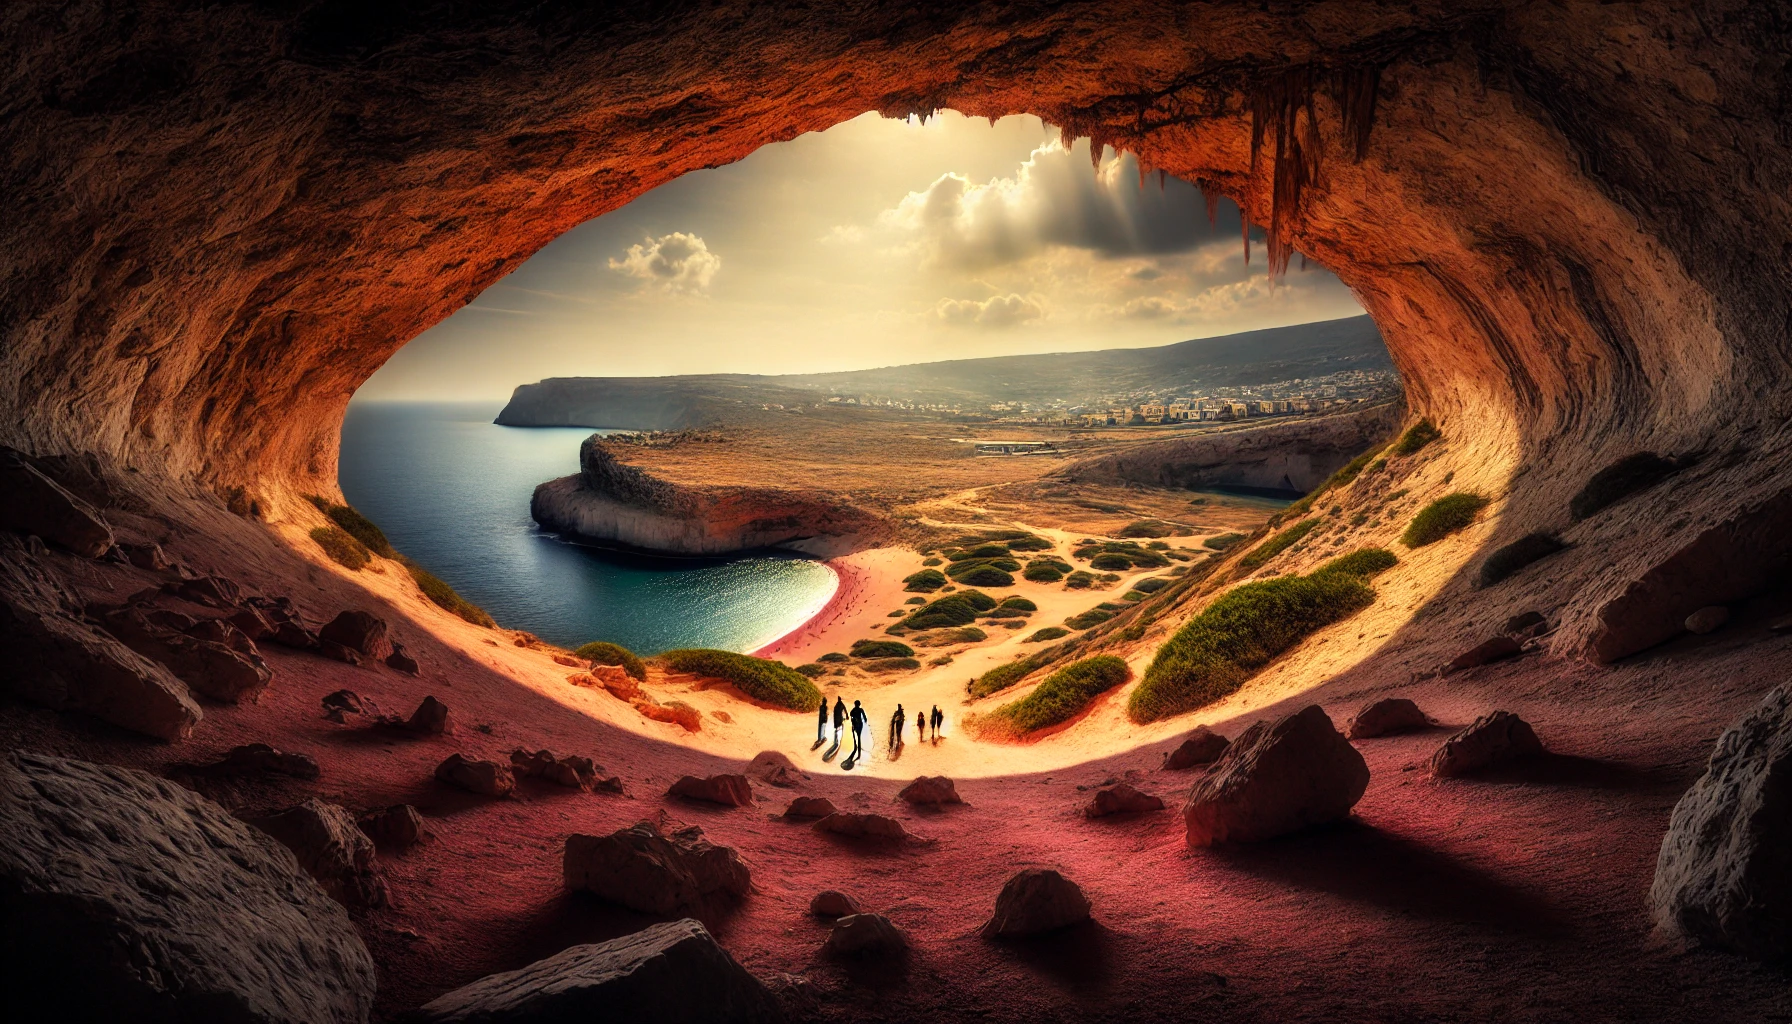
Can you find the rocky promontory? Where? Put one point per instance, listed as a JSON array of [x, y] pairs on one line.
[[613, 504]]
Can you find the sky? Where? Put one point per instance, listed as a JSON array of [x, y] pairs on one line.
[[875, 243]]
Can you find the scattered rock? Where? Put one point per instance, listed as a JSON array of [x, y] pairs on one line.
[[262, 759], [95, 852], [1277, 778], [1721, 877], [1121, 799], [1036, 900], [833, 903], [639, 868], [675, 712], [211, 591], [568, 660], [361, 632], [32, 503], [1510, 558], [810, 807], [398, 827], [254, 623], [149, 557], [337, 652], [666, 972], [616, 680], [487, 778], [332, 849], [1201, 746], [1490, 650], [1708, 619], [572, 771], [339, 705], [1386, 717], [217, 669], [1526, 624], [930, 791], [773, 768], [733, 790], [431, 718], [865, 935], [399, 661], [864, 826], [1492, 740]]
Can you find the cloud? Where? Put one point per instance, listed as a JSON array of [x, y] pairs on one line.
[[676, 262], [995, 311]]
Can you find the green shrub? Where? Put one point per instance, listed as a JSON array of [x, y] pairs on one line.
[[987, 576], [1158, 545], [1222, 542], [812, 670], [959, 609], [1029, 542], [1048, 633], [1016, 601], [833, 656], [1368, 562], [980, 551], [1064, 694], [916, 600], [892, 665], [1216, 651], [1151, 586], [770, 681], [1040, 573], [1092, 617], [1132, 596], [925, 581], [1111, 560], [601, 652], [362, 529], [1146, 528], [882, 649], [1417, 436], [950, 635], [1446, 515], [1003, 676], [1620, 480], [932, 562], [1007, 613], [345, 549], [1514, 556], [1079, 580], [443, 595], [1277, 544]]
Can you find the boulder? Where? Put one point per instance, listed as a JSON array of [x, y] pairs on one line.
[[253, 622], [639, 868], [1492, 740], [666, 972], [399, 661], [572, 771], [1121, 799], [216, 668], [832, 903], [1277, 778], [1386, 717], [1493, 649], [672, 712], [865, 935], [361, 632], [732, 790], [1036, 900], [129, 898], [1724, 874], [32, 503], [1708, 619], [431, 719], [771, 767], [398, 827], [615, 679], [810, 807], [332, 849], [1201, 746], [262, 759], [487, 778], [862, 826], [342, 703], [930, 791], [149, 557]]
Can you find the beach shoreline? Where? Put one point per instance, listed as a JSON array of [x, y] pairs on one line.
[[849, 583]]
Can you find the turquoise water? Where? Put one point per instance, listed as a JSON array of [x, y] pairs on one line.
[[451, 490]]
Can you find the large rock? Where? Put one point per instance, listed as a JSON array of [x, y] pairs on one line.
[[487, 778], [833, 903], [1724, 875], [1386, 717], [1492, 740], [865, 935], [1277, 778], [227, 668], [124, 897], [398, 827], [361, 632], [571, 771], [331, 847], [672, 972], [1036, 900], [1121, 799], [643, 870], [1486, 652], [32, 503], [431, 719], [930, 791], [1201, 746], [810, 807], [862, 826], [732, 790], [262, 759]]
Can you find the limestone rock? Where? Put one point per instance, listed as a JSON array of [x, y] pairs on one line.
[[1201, 746], [833, 903], [1121, 799], [930, 791], [399, 661], [643, 870], [132, 899], [32, 503], [1724, 874], [398, 827], [1493, 649], [571, 771], [332, 849], [865, 935], [732, 790], [1036, 900], [361, 632], [1386, 717], [431, 718], [1492, 740], [810, 807], [863, 826], [1277, 778], [666, 972], [262, 759], [487, 778], [1708, 619]]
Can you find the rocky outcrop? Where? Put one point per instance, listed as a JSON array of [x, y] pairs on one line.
[[32, 503], [1386, 717], [1724, 875], [331, 847], [643, 870], [1275, 779], [865, 935], [1491, 740], [1486, 652], [227, 668], [431, 718], [1201, 746], [571, 771], [666, 972], [127, 898], [1036, 900], [361, 632]]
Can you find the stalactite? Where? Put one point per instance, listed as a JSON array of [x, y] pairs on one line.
[[1355, 90], [1210, 195]]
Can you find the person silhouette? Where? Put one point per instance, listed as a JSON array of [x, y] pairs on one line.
[[897, 721], [858, 729], [939, 719], [920, 726], [839, 718], [821, 723]]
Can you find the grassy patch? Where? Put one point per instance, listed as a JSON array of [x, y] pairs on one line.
[[1093, 617], [770, 681], [443, 595], [1120, 554], [1446, 515], [924, 582], [1079, 580], [339, 545], [1023, 603], [1365, 562], [833, 656], [960, 609], [1063, 694], [602, 652], [1048, 633], [932, 562], [1151, 586], [892, 665], [812, 670], [1417, 436], [980, 551], [1003, 676], [1277, 544], [882, 649], [987, 576], [950, 635], [1222, 541], [1146, 528]]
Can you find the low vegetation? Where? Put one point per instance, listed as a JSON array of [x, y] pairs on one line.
[[1151, 586], [602, 652], [770, 681], [924, 582], [1350, 471], [882, 649], [445, 596], [1120, 554], [1147, 528], [1093, 617], [1620, 480], [1277, 544], [1512, 557], [1003, 676], [1079, 580], [833, 657], [812, 670], [339, 545], [355, 525], [1365, 562], [1043, 572], [1448, 514], [1048, 633], [1062, 695], [1222, 541], [987, 576], [960, 609], [892, 665], [1007, 613], [1017, 601], [950, 635], [1417, 436]]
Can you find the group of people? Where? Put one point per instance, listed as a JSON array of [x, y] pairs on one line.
[[936, 719]]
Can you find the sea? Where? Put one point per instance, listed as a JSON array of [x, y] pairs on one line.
[[451, 490]]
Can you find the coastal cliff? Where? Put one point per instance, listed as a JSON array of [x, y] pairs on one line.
[[613, 504]]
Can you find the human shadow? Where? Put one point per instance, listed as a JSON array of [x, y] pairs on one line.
[[833, 750], [1083, 958]]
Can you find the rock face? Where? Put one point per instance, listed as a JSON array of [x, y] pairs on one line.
[[865, 935], [1386, 717], [132, 899], [666, 972], [1724, 875], [1036, 900], [1121, 799], [810, 807], [732, 790], [487, 778], [930, 791], [331, 847], [361, 632], [643, 870], [1201, 746], [1492, 740], [863, 826], [32, 503], [1275, 779]]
